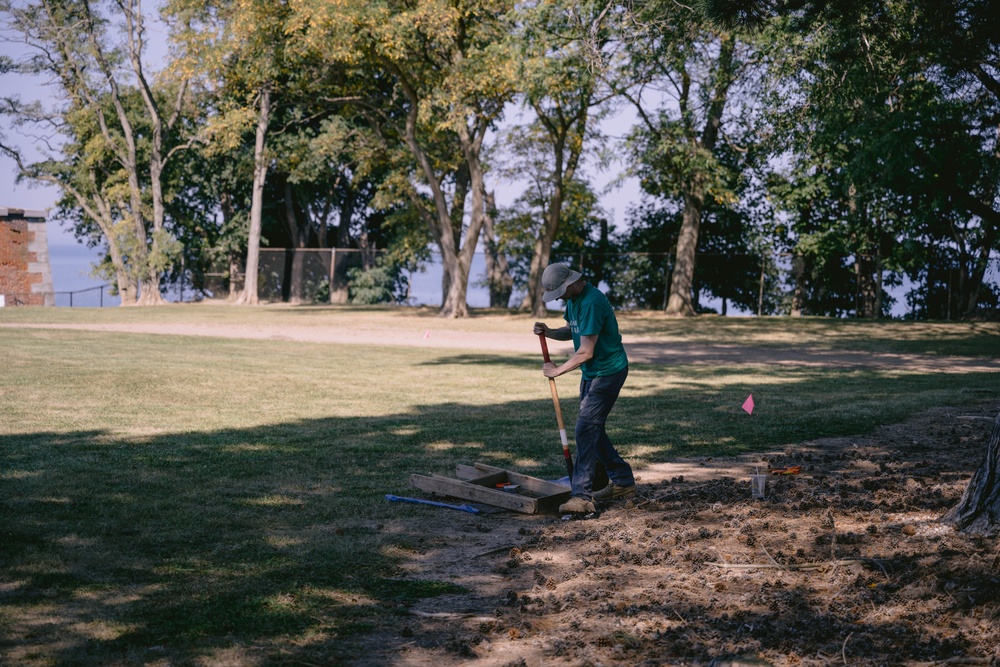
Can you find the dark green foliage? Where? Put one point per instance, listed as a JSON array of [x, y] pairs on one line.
[[384, 282], [878, 113], [735, 14], [641, 274]]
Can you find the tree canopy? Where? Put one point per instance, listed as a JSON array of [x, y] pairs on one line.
[[806, 158]]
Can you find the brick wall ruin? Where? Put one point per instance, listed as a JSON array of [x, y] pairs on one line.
[[25, 271]]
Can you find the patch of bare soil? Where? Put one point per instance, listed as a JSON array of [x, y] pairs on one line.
[[842, 564]]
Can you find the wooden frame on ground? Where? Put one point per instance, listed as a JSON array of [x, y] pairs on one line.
[[479, 483]]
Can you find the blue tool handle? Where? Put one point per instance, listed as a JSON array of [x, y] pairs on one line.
[[421, 501]]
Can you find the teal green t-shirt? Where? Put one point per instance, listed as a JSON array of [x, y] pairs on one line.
[[590, 314]]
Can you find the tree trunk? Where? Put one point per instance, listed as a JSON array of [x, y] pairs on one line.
[[681, 282], [800, 272], [248, 297], [338, 272], [540, 257], [101, 213], [149, 277], [456, 304], [760, 292], [149, 292], [235, 277], [864, 270], [543, 245], [879, 285], [297, 289], [299, 235], [128, 289], [977, 272], [127, 155], [498, 277], [566, 153], [978, 512], [455, 301], [451, 252]]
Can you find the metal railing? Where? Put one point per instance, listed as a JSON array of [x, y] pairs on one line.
[[99, 288]]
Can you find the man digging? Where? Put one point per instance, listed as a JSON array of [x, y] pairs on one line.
[[601, 358]]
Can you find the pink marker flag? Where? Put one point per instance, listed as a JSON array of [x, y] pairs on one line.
[[748, 404], [427, 334]]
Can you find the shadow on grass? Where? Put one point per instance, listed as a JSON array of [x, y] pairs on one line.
[[506, 360], [974, 339], [279, 537]]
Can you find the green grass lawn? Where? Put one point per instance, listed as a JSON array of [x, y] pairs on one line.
[[182, 495]]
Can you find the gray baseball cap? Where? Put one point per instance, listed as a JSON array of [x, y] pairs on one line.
[[556, 278]]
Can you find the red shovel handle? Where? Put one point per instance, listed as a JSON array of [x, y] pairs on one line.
[[545, 348], [555, 402]]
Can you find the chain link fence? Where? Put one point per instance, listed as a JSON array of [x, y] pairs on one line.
[[307, 275]]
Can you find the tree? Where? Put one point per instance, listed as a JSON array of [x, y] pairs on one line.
[[860, 142], [238, 50], [676, 55], [956, 54], [260, 166], [332, 173], [732, 255], [450, 80], [557, 45], [209, 209], [899, 96], [581, 224], [737, 255], [116, 124], [641, 276]]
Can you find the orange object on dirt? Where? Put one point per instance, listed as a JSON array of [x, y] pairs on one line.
[[793, 470]]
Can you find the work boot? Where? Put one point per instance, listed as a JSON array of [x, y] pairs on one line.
[[577, 505], [613, 492]]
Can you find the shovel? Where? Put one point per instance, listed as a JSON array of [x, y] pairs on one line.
[[559, 417]]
